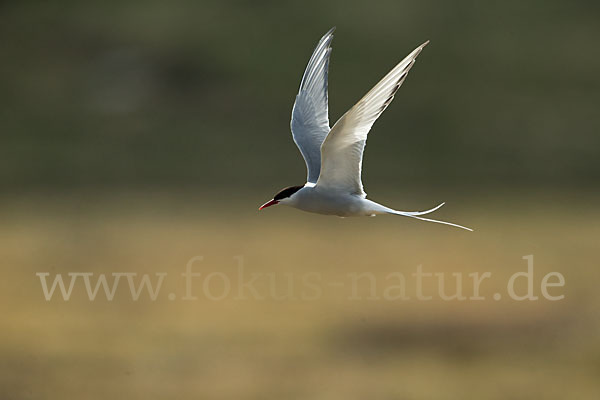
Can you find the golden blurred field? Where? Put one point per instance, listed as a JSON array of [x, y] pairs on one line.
[[328, 348]]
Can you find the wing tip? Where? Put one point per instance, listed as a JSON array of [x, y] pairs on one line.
[[418, 50], [328, 36]]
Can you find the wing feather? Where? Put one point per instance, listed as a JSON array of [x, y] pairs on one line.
[[342, 150], [310, 115]]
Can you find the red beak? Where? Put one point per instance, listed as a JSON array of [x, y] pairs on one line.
[[268, 204]]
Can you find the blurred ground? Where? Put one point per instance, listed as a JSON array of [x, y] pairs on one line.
[[328, 348]]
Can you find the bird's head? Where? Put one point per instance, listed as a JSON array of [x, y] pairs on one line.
[[283, 196]]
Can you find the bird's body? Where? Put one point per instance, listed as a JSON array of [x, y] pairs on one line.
[[317, 200], [333, 156]]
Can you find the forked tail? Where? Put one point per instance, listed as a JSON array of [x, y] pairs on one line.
[[417, 215]]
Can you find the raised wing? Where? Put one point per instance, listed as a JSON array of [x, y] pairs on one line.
[[310, 115], [342, 150]]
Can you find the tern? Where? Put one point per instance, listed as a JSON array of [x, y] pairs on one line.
[[334, 155]]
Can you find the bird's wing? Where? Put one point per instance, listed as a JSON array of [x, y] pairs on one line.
[[310, 119], [342, 150]]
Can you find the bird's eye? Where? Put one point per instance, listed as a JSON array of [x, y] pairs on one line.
[[287, 192]]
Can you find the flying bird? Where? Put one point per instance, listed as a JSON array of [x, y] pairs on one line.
[[334, 155]]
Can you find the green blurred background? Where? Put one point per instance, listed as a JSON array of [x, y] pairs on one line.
[[138, 134], [199, 93]]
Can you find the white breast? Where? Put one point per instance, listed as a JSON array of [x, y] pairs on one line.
[[317, 200]]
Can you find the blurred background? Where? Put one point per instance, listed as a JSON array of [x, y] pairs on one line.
[[137, 135]]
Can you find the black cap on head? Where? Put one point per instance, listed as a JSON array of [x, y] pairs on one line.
[[287, 192]]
